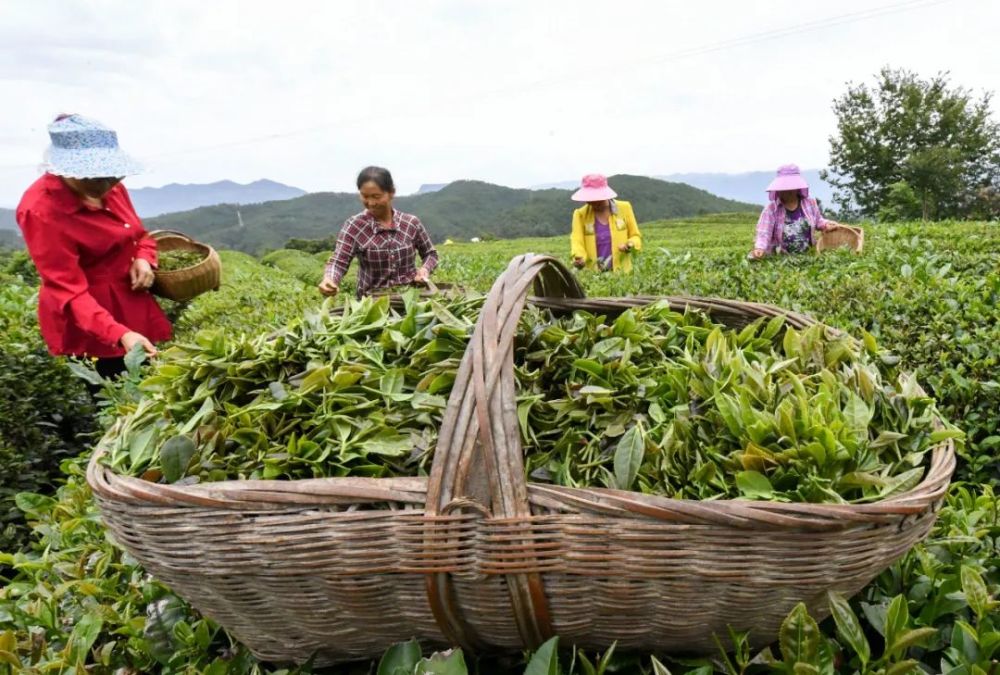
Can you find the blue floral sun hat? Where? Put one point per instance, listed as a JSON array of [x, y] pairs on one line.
[[85, 148]]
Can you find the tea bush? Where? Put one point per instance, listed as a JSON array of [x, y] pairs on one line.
[[928, 292], [45, 411]]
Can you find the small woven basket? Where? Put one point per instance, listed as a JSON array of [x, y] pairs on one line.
[[476, 555], [186, 283], [841, 236]]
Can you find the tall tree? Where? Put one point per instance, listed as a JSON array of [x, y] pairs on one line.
[[906, 135]]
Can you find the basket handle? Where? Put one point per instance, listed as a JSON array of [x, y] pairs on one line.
[[155, 234], [479, 455]]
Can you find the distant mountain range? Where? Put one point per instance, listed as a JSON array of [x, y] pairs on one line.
[[463, 209], [10, 236], [749, 187], [744, 187], [175, 197], [7, 220], [430, 187], [150, 202]]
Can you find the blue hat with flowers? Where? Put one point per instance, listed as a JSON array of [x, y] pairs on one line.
[[85, 148]]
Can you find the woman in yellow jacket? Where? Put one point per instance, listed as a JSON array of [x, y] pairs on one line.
[[604, 229]]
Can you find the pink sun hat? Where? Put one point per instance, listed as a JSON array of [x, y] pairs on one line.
[[593, 188], [789, 178]]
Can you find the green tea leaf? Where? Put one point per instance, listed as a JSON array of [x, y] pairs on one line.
[[85, 373], [85, 632], [391, 383], [450, 662], [400, 659], [754, 485], [388, 443], [912, 637], [545, 660], [858, 415], [849, 628], [141, 449], [32, 504], [207, 406], [976, 592], [175, 455], [628, 457], [658, 667], [799, 637], [907, 667], [897, 619], [134, 358], [943, 434], [656, 413]]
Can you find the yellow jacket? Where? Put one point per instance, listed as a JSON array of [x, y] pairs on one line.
[[624, 229]]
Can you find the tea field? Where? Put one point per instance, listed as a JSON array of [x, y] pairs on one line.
[[928, 294]]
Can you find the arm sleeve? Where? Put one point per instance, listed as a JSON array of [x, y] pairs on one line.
[[634, 236], [147, 251], [58, 264], [821, 222], [424, 246], [765, 225], [577, 249], [343, 254]]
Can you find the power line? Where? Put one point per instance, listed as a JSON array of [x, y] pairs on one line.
[[740, 41], [809, 26]]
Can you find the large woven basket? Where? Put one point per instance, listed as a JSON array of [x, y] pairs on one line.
[[184, 284], [476, 556], [841, 236]]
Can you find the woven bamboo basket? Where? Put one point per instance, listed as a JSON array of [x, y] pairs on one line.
[[841, 236], [184, 284], [474, 555]]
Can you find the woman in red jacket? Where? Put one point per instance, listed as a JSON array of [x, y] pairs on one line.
[[93, 255]]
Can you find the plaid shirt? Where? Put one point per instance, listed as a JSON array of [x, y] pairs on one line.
[[386, 256], [771, 225]]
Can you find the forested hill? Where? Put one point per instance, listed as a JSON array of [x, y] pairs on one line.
[[461, 210]]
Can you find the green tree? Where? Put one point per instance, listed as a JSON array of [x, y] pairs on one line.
[[901, 203], [937, 139]]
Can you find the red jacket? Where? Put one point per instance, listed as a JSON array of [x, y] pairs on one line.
[[83, 255]]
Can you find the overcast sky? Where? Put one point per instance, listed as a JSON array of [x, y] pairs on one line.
[[517, 93]]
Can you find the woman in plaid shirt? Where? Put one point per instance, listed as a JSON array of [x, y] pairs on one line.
[[385, 241], [789, 222]]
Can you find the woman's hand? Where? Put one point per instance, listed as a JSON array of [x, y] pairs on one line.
[[131, 338], [141, 274], [578, 262], [329, 287], [757, 253], [422, 275], [627, 246]]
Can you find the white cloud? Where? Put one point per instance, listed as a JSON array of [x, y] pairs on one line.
[[513, 92]]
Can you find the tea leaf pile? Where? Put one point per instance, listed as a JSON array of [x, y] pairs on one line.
[[171, 261], [651, 400]]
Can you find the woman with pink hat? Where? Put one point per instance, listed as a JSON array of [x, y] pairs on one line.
[[789, 222], [604, 229]]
